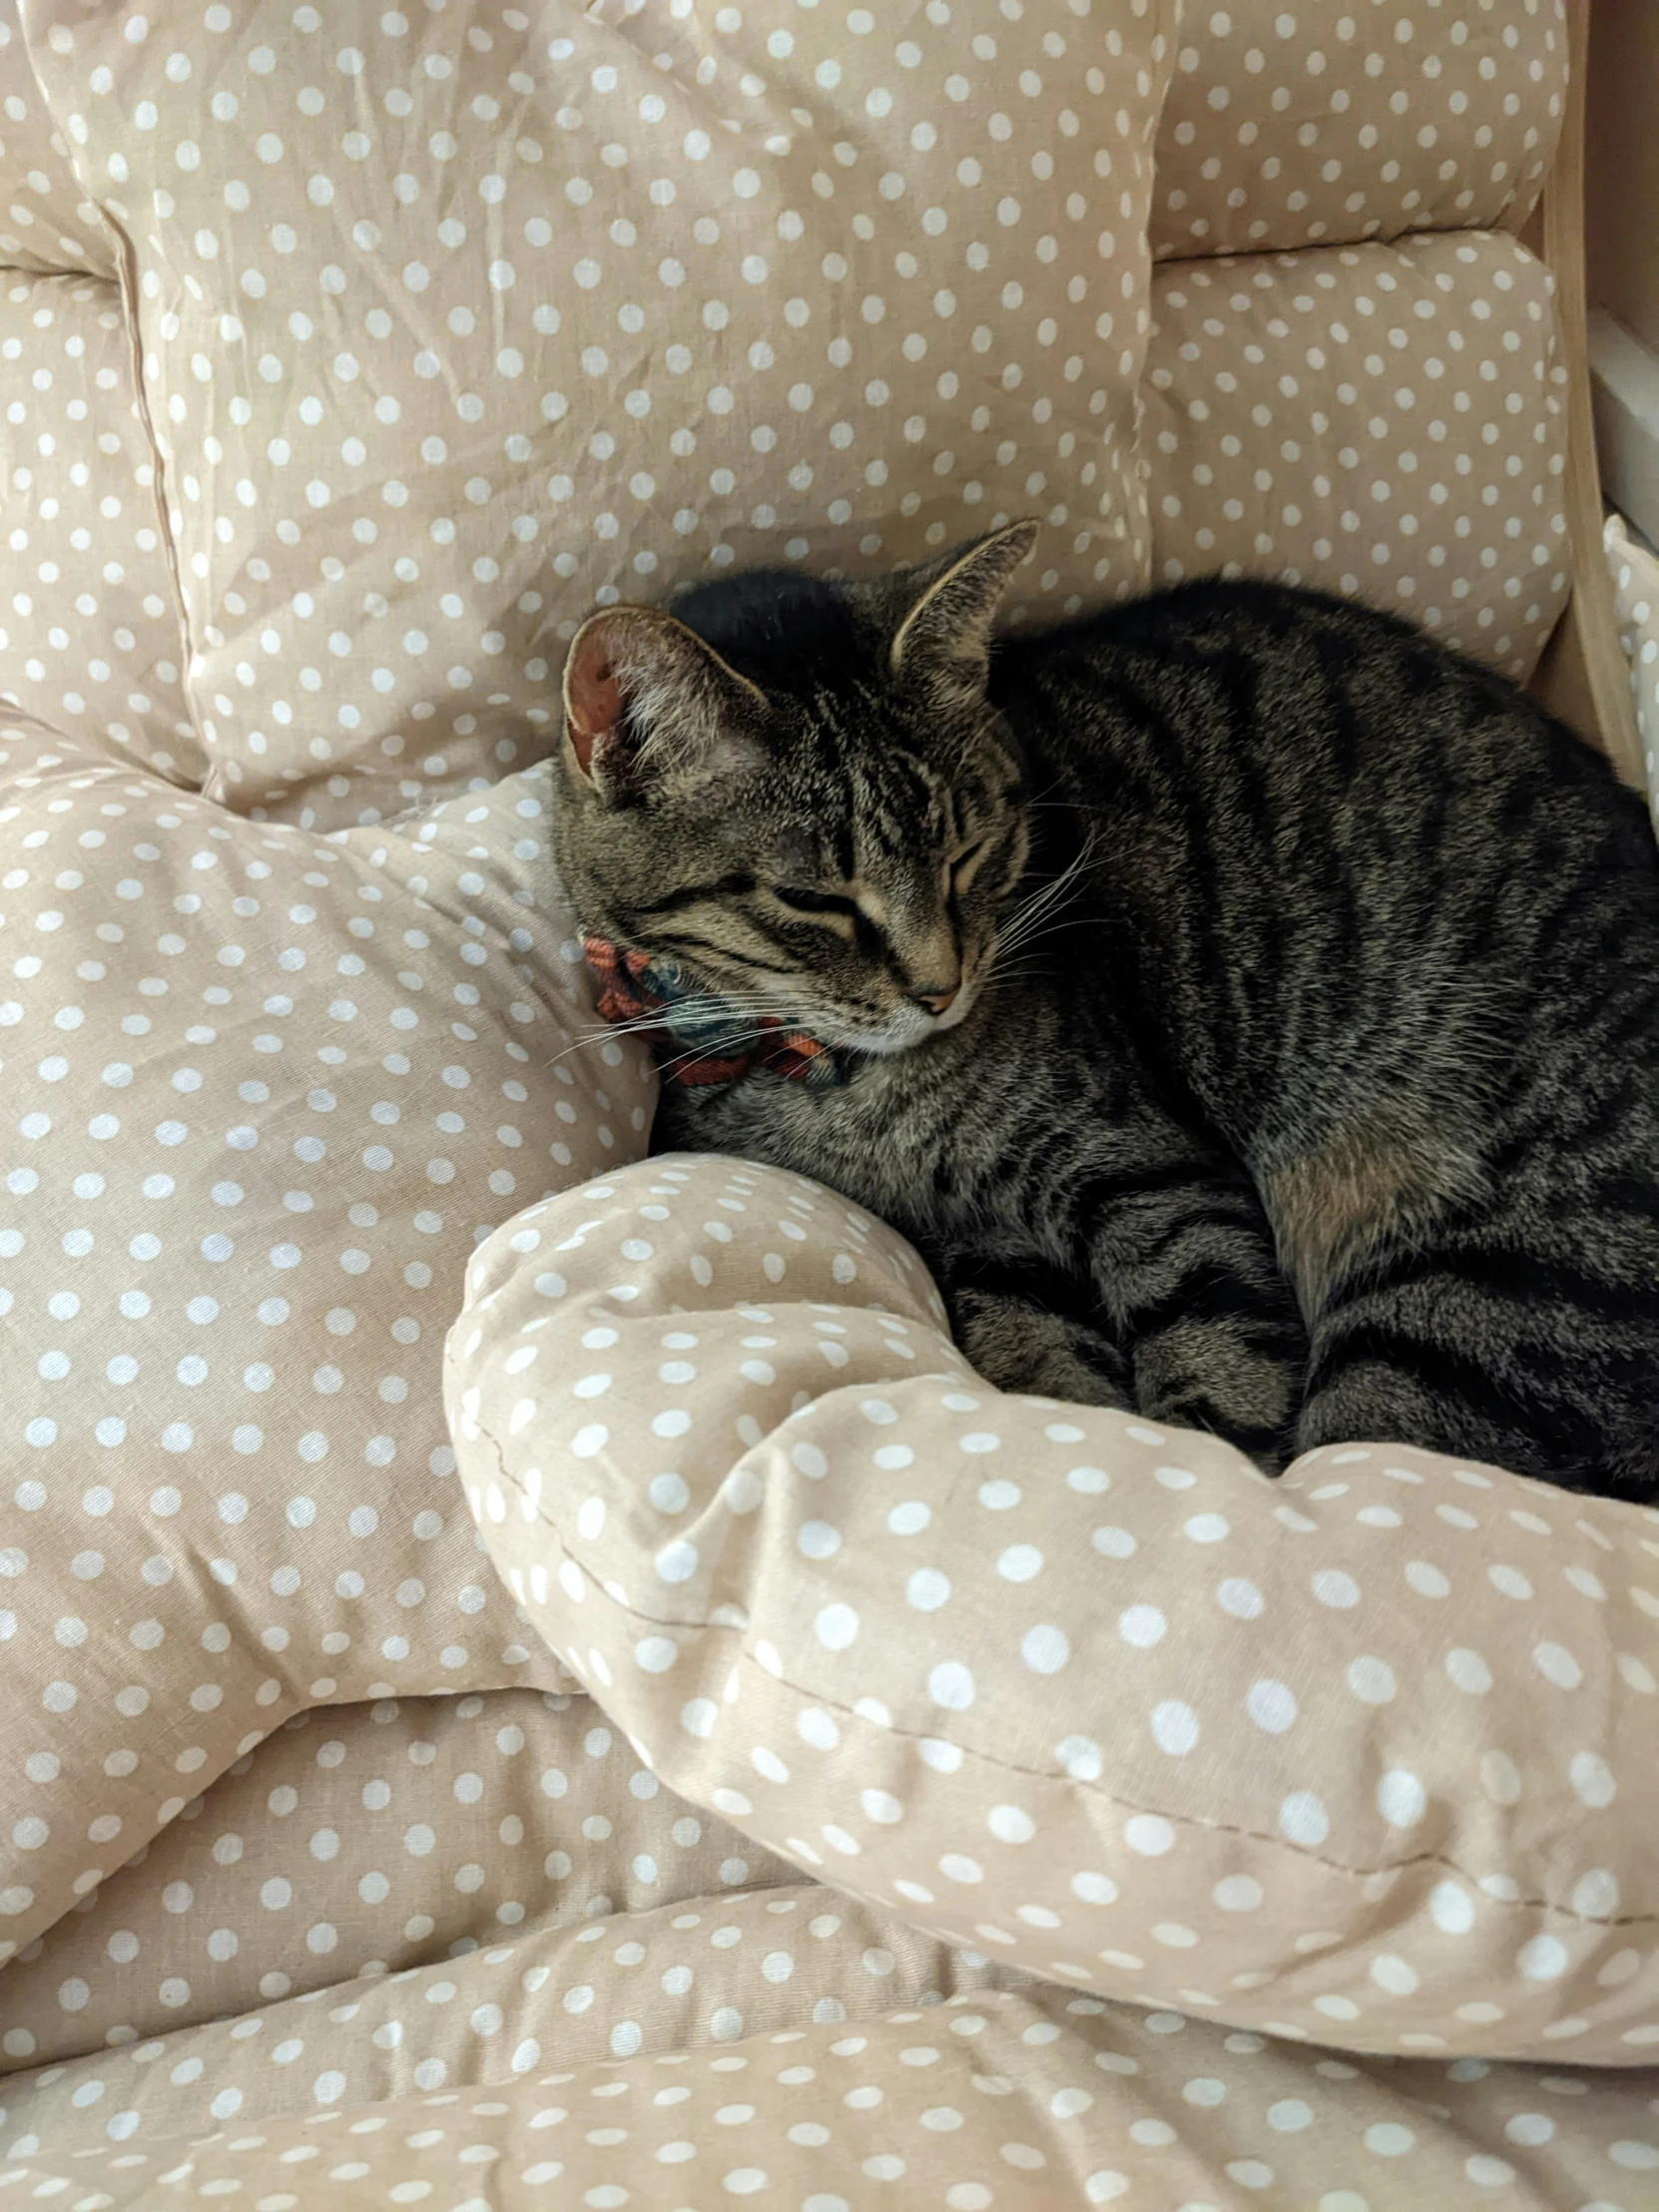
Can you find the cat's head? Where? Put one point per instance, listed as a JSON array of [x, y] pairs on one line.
[[798, 792]]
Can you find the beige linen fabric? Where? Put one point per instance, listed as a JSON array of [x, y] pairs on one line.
[[1379, 420], [1635, 571], [285, 1834], [90, 636], [365, 1839], [1363, 1756], [1328, 120], [990, 2101], [262, 1090], [45, 222], [455, 325]]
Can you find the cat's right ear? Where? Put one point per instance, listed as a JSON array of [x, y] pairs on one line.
[[944, 639], [646, 704]]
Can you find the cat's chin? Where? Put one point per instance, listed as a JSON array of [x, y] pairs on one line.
[[886, 1042], [880, 1046], [895, 1038]]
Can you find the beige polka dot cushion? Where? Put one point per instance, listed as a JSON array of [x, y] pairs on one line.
[[263, 1092], [343, 365], [450, 327], [1361, 1757], [1297, 122], [574, 1990], [46, 223], [986, 2101], [1383, 420], [90, 634], [372, 1839]]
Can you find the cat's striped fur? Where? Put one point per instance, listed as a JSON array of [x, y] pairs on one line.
[[1316, 1095]]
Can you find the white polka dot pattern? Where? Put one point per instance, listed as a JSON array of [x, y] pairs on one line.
[[712, 1969], [363, 1840], [444, 332], [990, 1661], [1305, 122], [263, 1092], [1636, 597], [989, 2102], [1381, 420], [654, 292], [45, 223], [90, 636]]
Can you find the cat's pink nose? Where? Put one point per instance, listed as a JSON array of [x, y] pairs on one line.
[[937, 1001]]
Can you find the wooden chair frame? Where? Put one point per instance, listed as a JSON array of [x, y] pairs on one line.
[[1583, 676]]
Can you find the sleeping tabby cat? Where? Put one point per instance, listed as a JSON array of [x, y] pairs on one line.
[[1249, 1007]]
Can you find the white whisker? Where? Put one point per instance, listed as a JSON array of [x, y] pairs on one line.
[[1021, 925]]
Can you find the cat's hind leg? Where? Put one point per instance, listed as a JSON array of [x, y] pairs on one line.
[[1504, 1311], [1478, 1349]]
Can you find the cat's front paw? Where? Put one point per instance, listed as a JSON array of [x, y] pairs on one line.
[[1032, 1352], [1197, 1375]]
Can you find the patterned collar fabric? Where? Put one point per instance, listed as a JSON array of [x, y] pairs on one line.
[[713, 1042]]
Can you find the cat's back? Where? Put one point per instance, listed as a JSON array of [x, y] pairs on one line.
[[1329, 838], [1276, 673], [1324, 728]]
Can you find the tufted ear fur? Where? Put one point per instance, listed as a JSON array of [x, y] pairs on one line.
[[648, 704], [946, 636]]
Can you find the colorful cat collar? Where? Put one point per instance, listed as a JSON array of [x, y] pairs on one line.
[[711, 1041]]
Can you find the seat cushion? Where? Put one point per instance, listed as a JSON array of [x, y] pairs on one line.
[[374, 1838], [479, 2082]]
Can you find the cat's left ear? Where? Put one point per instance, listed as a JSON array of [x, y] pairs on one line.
[[946, 634], [648, 704]]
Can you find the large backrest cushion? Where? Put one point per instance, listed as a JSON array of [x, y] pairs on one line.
[[91, 642], [460, 323], [91, 637], [47, 225]]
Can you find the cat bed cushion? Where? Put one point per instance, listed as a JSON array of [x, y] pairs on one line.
[[1379, 420], [420, 390], [49, 225], [93, 641], [1635, 572], [1324, 123], [265, 1089], [1360, 1756], [445, 329], [447, 1874], [970, 2099]]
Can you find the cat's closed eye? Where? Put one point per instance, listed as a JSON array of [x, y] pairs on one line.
[[806, 902], [965, 866]]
